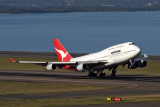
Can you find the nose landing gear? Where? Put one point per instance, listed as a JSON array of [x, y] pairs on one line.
[[113, 73]]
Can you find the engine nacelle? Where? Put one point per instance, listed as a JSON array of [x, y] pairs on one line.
[[50, 67], [142, 63], [134, 66], [81, 67]]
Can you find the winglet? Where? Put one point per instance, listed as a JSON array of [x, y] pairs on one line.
[[146, 56], [12, 60]]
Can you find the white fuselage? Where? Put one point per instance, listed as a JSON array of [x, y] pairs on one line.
[[117, 54]]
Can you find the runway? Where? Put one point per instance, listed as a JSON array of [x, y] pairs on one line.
[[129, 84]]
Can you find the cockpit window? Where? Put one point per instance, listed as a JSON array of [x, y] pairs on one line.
[[132, 44]]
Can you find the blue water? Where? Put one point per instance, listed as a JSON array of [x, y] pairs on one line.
[[80, 32]]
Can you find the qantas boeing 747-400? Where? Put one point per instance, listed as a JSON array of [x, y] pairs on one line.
[[95, 63]]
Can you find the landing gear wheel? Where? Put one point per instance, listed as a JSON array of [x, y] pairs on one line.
[[92, 74], [102, 74], [113, 73]]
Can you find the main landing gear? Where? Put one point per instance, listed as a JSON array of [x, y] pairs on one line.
[[99, 73], [113, 73], [92, 74]]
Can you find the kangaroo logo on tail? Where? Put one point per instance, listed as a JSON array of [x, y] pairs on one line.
[[63, 55]]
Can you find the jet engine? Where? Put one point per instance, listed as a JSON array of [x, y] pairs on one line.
[[142, 63], [81, 67], [50, 67]]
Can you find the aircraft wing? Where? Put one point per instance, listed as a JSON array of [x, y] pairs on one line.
[[42, 62], [61, 63], [28, 62], [145, 57]]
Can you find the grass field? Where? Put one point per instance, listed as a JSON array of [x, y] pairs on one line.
[[153, 68], [25, 88], [54, 102], [12, 87]]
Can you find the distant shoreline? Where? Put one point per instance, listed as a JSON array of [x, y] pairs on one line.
[[78, 12], [155, 58], [78, 9], [56, 6]]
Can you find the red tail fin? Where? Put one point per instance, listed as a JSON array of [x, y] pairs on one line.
[[62, 54]]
